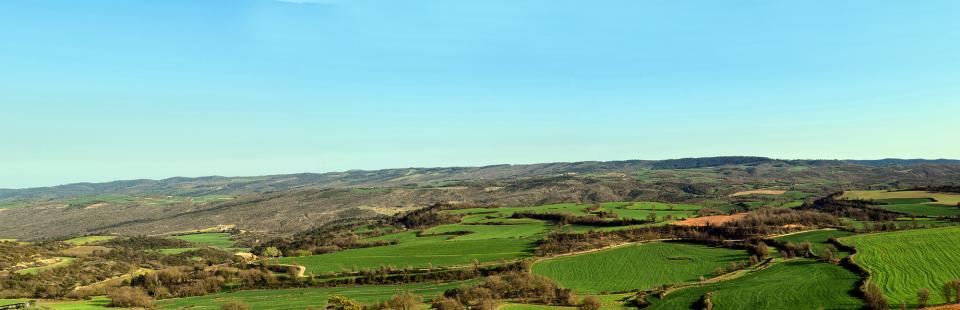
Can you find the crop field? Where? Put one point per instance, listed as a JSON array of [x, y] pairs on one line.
[[817, 238], [903, 262], [88, 240], [302, 298], [919, 203], [640, 266], [217, 240], [418, 252], [517, 229], [794, 284], [637, 210]]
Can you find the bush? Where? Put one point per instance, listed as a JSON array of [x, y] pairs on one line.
[[129, 297], [235, 305], [590, 303]]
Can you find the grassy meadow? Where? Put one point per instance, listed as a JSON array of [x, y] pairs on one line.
[[640, 266], [917, 203], [817, 238], [902, 262], [795, 284], [217, 240], [302, 298]]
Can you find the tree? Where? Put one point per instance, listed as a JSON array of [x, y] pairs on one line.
[[923, 295], [652, 217], [947, 291], [337, 302], [271, 252], [129, 297], [590, 303]]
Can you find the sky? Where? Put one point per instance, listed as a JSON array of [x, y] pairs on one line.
[[94, 90]]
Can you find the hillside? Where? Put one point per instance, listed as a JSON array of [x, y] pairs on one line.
[[284, 204]]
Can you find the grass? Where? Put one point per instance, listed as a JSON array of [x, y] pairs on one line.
[[794, 284], [417, 252], [919, 203], [480, 232], [98, 302], [903, 262], [302, 298], [640, 266], [817, 238], [12, 301], [88, 240], [515, 306], [218, 240], [34, 270]]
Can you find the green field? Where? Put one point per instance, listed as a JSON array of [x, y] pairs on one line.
[[641, 266], [817, 239], [515, 229], [903, 262], [217, 240], [417, 252], [98, 302], [303, 298], [636, 210], [918, 203], [796, 284], [88, 240], [34, 270]]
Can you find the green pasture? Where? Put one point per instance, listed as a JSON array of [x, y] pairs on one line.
[[418, 252], [902, 262], [639, 266], [302, 298], [817, 238], [217, 240], [795, 284]]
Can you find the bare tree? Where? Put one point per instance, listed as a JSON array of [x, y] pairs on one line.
[[923, 295]]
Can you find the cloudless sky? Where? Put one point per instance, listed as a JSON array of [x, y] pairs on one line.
[[95, 90]]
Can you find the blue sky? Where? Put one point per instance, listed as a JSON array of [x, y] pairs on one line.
[[103, 90]]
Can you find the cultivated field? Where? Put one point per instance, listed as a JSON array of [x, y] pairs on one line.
[[217, 240], [903, 262], [795, 284], [303, 298], [641, 266], [417, 252], [817, 238], [919, 203]]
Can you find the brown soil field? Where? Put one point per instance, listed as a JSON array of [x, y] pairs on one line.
[[710, 220], [759, 192]]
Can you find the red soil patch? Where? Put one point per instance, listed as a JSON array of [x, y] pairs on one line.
[[712, 220], [759, 192]]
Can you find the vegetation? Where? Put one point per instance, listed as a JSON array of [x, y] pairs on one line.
[[633, 267], [901, 263], [794, 284]]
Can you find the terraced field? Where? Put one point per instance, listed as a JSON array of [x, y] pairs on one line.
[[903, 262], [641, 266], [817, 238], [795, 284], [304, 298]]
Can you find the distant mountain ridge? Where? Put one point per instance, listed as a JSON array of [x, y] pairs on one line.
[[218, 185]]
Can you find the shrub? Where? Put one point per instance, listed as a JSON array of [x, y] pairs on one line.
[[235, 305], [129, 297], [590, 303]]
